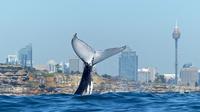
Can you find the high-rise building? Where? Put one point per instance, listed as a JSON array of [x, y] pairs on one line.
[[189, 76], [12, 60], [25, 57], [176, 35], [74, 65], [146, 75], [128, 65], [52, 66]]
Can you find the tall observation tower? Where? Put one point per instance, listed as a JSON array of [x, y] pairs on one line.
[[176, 35]]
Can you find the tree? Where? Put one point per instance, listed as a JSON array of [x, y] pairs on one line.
[[58, 68], [160, 79], [107, 76]]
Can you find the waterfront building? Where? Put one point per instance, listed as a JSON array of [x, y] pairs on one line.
[[146, 75], [25, 57], [128, 65], [11, 60], [52, 66], [74, 65], [189, 76]]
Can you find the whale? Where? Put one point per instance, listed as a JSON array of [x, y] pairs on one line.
[[90, 57]]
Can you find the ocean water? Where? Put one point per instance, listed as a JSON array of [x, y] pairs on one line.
[[109, 102]]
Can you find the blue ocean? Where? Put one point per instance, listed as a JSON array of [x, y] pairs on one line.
[[109, 102]]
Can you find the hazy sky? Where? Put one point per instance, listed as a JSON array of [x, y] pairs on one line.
[[144, 25]]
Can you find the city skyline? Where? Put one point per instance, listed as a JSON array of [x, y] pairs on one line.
[[49, 26]]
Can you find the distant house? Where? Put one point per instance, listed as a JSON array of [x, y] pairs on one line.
[[9, 68]]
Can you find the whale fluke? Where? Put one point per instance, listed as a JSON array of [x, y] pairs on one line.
[[82, 50], [90, 57], [102, 55]]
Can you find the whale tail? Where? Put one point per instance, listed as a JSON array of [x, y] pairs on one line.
[[90, 57]]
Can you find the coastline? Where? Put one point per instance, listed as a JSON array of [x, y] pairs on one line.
[[41, 82]]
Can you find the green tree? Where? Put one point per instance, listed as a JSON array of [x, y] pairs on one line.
[[160, 79]]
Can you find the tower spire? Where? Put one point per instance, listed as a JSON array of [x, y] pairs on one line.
[[176, 35], [176, 25]]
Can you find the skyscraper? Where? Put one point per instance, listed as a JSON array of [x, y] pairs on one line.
[[25, 56], [176, 35], [128, 65]]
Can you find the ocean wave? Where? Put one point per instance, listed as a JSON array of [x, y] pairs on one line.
[[128, 101]]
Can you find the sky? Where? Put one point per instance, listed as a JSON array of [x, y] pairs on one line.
[[144, 25]]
